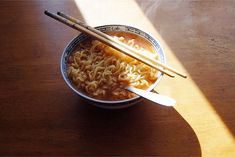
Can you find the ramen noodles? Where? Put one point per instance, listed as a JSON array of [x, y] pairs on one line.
[[103, 72]]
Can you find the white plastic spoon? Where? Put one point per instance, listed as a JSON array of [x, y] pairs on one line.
[[157, 98]]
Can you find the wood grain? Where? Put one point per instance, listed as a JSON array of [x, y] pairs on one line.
[[40, 115]]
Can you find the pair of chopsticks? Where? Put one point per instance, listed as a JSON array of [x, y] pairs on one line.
[[110, 41]]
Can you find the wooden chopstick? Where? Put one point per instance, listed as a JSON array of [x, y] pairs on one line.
[[153, 60], [110, 43]]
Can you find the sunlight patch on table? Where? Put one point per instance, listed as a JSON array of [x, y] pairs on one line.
[[201, 116]]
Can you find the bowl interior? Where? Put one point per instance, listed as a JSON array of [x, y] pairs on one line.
[[113, 29]]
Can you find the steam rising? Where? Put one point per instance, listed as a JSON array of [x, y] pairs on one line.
[[149, 7]]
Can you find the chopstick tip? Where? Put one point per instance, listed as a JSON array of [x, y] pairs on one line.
[[46, 11], [168, 74], [59, 12], [184, 76]]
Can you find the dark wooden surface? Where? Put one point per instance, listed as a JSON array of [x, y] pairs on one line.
[[40, 115]]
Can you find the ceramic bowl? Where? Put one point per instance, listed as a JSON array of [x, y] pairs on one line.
[[110, 28]]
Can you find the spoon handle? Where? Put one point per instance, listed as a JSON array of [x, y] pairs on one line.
[[157, 98]]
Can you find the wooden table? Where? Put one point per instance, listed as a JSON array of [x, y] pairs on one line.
[[40, 115]]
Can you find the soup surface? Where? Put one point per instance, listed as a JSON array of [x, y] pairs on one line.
[[103, 72]]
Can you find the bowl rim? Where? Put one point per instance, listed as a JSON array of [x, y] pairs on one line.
[[113, 102]]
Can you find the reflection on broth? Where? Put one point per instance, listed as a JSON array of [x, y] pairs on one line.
[[103, 72]]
